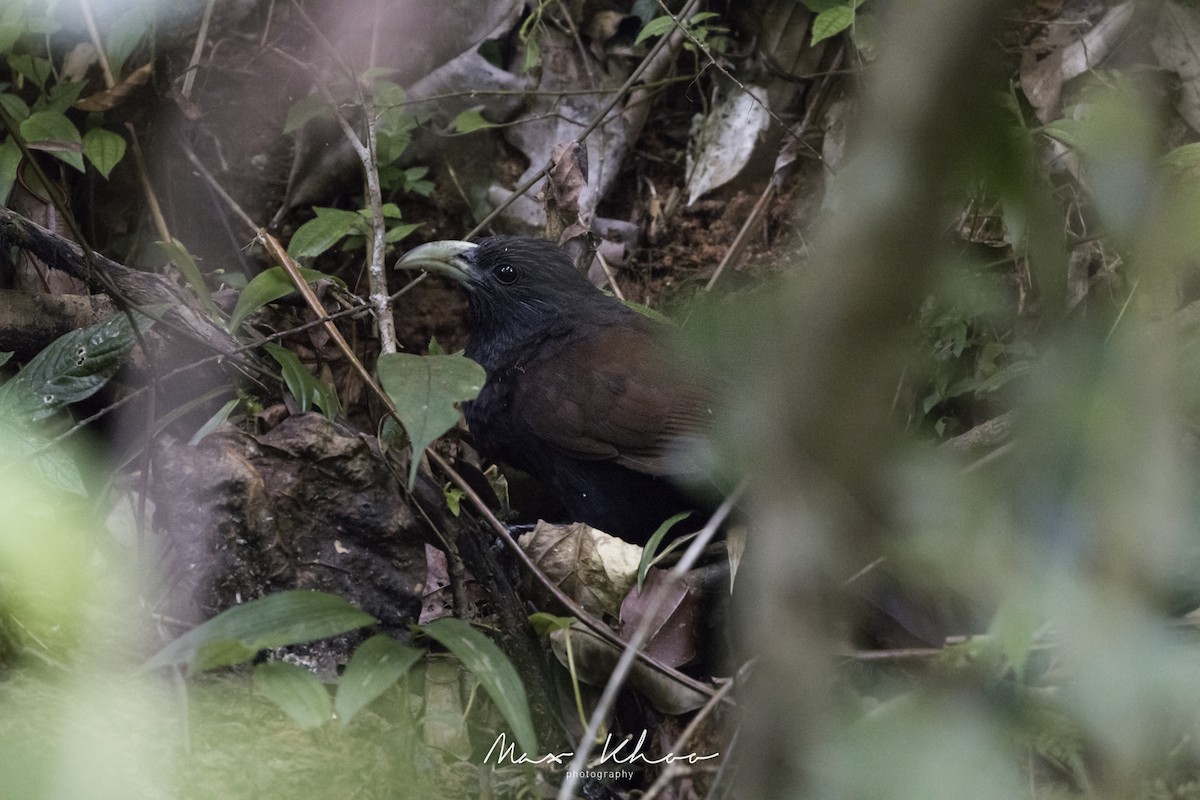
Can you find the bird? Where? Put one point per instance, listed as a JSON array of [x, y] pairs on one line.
[[581, 391]]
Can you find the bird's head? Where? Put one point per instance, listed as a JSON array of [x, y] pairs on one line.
[[518, 287]]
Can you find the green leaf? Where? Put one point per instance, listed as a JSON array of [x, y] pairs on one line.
[[308, 389], [61, 97], [398, 232], [34, 68], [831, 22], [424, 390], [53, 462], [9, 34], [239, 633], [377, 663], [492, 669], [71, 368], [318, 235], [104, 149], [544, 624], [15, 107], [267, 287], [303, 110], [179, 255], [650, 551], [214, 422], [655, 27], [123, 34], [5, 357], [471, 120], [54, 133], [10, 162], [295, 690]]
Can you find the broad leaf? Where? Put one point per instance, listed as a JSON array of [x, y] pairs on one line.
[[15, 107], [303, 110], [424, 390], [471, 120], [239, 633], [71, 368], [267, 287], [54, 133], [377, 663], [295, 690], [832, 22], [493, 670], [104, 149], [317, 235], [655, 27]]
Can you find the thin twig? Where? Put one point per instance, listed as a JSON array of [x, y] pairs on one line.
[[795, 136], [189, 80], [376, 272]]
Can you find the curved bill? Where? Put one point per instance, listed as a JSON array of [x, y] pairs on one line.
[[447, 257]]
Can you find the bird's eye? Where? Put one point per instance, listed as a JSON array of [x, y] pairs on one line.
[[506, 274]]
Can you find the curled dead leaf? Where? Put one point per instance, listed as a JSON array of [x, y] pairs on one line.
[[110, 98]]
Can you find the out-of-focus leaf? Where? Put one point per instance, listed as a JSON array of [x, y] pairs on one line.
[[492, 669], [424, 390], [303, 110], [214, 422], [377, 663], [295, 690], [239, 633], [179, 255], [470, 121], [15, 107], [10, 162]]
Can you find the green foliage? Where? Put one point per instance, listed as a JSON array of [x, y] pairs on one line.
[[295, 690], [650, 552], [39, 102], [424, 390], [710, 36], [187, 266], [352, 229], [493, 671], [832, 17], [238, 634], [307, 389], [968, 355], [71, 368], [267, 287], [471, 120], [394, 127], [377, 664]]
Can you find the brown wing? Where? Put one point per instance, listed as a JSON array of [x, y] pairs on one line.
[[615, 396]]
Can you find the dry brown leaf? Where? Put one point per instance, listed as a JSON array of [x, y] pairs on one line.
[[110, 98]]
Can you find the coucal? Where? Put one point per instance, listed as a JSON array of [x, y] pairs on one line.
[[580, 390]]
